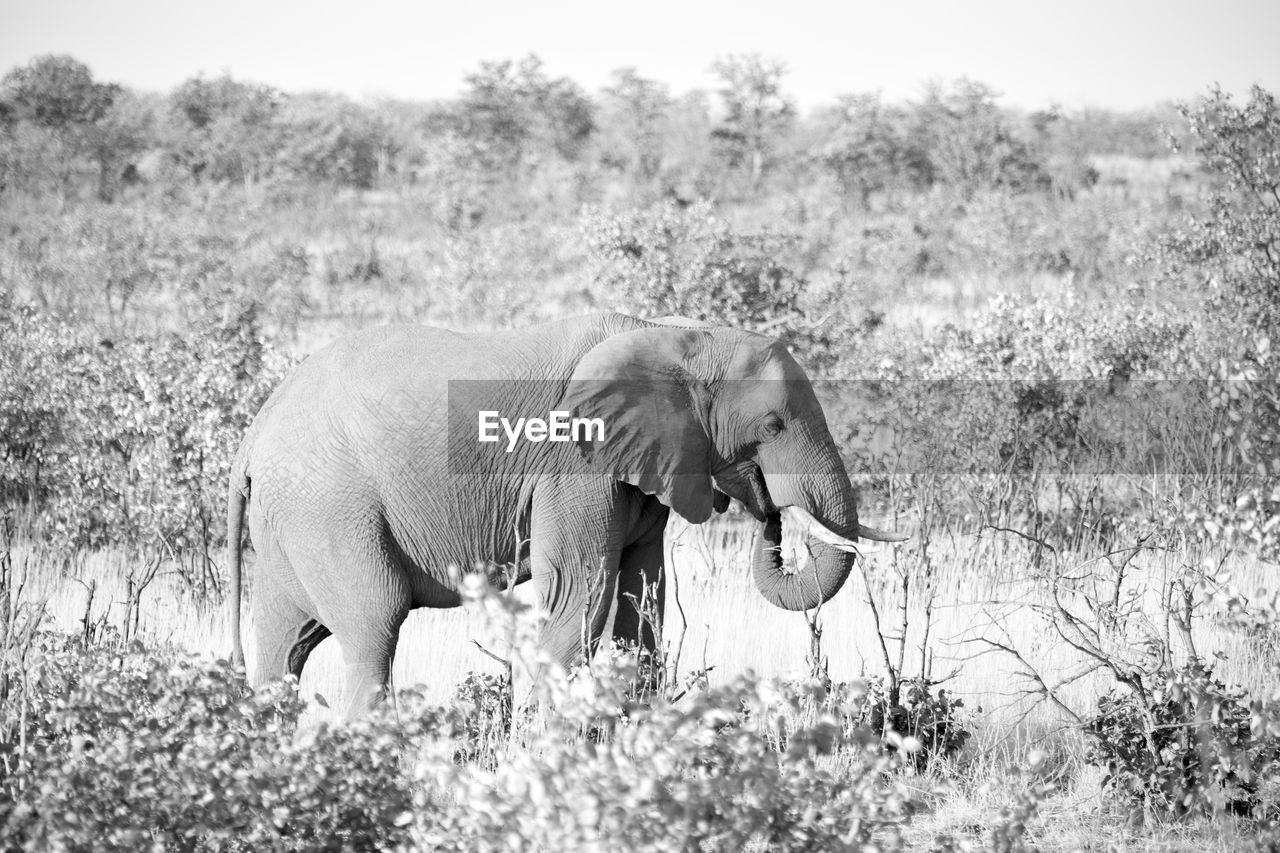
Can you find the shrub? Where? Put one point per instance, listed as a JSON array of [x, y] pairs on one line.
[[934, 720], [709, 769], [1245, 393], [124, 746], [483, 702], [924, 726], [150, 265], [673, 260], [118, 746], [969, 144], [749, 762], [127, 440], [1234, 247], [1017, 416], [685, 261], [1237, 243], [482, 279], [1185, 744]]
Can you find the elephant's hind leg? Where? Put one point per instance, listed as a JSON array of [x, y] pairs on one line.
[[348, 575], [367, 652], [286, 635], [311, 635], [366, 623], [285, 626]]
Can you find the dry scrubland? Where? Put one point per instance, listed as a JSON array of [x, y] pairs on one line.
[[1077, 649]]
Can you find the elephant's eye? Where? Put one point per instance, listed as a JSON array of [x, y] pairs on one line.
[[770, 428]]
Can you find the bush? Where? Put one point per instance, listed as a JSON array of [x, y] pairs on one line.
[[116, 746], [934, 720], [1237, 243], [724, 768], [684, 261], [1034, 396], [484, 706], [123, 746], [154, 265], [673, 260], [923, 726], [1230, 258], [127, 440], [1185, 744]]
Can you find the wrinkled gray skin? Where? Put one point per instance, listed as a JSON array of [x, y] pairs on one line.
[[356, 513]]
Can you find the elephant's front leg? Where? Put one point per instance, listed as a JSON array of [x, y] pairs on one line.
[[641, 598], [642, 582], [577, 529]]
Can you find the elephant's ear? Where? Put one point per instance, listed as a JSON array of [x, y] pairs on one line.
[[654, 412]]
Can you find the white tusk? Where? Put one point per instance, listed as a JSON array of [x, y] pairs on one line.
[[876, 535], [818, 530], [812, 527]]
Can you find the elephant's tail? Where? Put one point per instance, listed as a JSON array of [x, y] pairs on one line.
[[237, 496]]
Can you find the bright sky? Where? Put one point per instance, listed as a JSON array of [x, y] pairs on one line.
[[1111, 53]]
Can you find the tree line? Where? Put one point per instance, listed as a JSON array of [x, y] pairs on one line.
[[63, 132]]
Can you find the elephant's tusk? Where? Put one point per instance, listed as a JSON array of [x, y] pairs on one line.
[[877, 535], [818, 530], [812, 527], [860, 550]]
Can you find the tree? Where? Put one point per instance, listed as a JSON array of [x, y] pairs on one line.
[[404, 127], [970, 143], [52, 105], [867, 148], [9, 170], [223, 129], [126, 130], [58, 93], [756, 110], [328, 138], [634, 116], [514, 114], [1229, 257]]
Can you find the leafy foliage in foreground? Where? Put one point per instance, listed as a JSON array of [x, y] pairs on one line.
[[117, 746], [1192, 743]]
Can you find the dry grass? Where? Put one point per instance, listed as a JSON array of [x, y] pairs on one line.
[[982, 584]]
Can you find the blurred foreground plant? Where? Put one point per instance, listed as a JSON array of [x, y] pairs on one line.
[[725, 767], [112, 745], [121, 746]]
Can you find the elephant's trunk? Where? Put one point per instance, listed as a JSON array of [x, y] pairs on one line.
[[805, 589], [830, 539]]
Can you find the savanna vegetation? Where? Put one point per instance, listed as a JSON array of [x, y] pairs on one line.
[[1046, 341]]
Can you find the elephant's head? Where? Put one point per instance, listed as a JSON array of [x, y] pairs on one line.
[[696, 415]]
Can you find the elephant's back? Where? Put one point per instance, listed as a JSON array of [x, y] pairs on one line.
[[545, 351], [383, 392]]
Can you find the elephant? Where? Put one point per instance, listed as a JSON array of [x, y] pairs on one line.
[[365, 483]]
